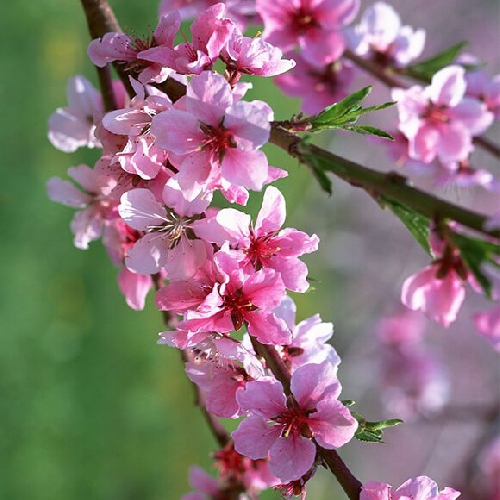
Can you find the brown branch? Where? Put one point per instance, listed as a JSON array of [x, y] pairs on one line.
[[376, 183], [375, 70], [101, 20], [386, 76], [106, 86], [488, 145]]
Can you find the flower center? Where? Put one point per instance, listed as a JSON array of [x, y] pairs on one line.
[[239, 305], [261, 249]]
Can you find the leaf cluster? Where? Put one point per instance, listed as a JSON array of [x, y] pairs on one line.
[[344, 114]]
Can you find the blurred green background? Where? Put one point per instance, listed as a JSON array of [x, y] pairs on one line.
[[90, 407]]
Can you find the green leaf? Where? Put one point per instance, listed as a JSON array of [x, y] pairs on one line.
[[319, 173], [345, 113], [372, 431], [368, 130], [348, 402], [425, 70], [475, 254], [417, 224], [333, 113]]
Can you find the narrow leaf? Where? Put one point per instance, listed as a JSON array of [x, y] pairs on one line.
[[368, 130], [476, 253], [425, 70], [372, 431], [417, 224], [351, 103]]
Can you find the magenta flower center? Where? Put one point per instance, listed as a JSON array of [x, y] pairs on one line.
[[218, 139], [294, 419], [303, 20], [261, 249], [238, 304], [436, 114]]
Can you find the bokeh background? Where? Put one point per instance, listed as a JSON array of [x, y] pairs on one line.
[[90, 407]]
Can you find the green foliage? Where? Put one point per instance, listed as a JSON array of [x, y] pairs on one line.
[[425, 70], [372, 432], [477, 253], [417, 224], [345, 113]]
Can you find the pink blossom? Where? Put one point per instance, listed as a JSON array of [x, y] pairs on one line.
[[252, 56], [416, 488], [210, 32], [240, 11], [125, 49], [488, 325], [220, 371], [439, 121], [215, 136], [73, 126], [139, 155], [95, 201], [484, 88], [318, 86], [440, 298], [380, 36], [238, 298], [283, 427], [314, 25], [263, 245], [309, 339], [167, 241]]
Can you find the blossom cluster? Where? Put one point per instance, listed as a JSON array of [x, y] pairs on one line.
[[223, 278]]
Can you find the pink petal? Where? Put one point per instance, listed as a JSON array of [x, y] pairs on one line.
[[147, 255], [254, 437], [177, 131], [135, 287], [140, 210], [273, 212], [332, 425], [454, 143], [208, 96], [375, 490], [291, 457], [264, 398], [183, 260], [249, 122], [310, 383], [67, 193], [448, 86], [245, 168]]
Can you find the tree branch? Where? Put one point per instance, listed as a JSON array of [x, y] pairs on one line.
[[376, 183]]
